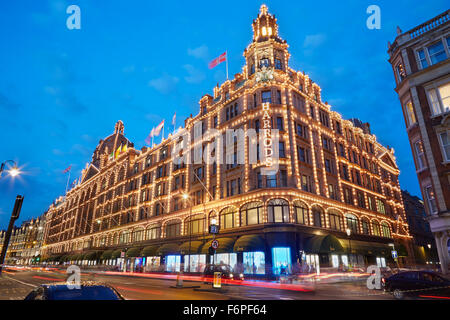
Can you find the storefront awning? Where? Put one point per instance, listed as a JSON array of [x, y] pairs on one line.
[[323, 244], [193, 249], [167, 249], [225, 245], [366, 248], [249, 243], [133, 252], [149, 251]]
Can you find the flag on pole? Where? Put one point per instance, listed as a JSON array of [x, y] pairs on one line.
[[118, 151], [218, 60], [174, 119], [125, 148], [158, 129], [111, 156], [67, 169], [150, 136]]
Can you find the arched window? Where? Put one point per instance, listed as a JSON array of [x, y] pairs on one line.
[[195, 224], [227, 218], [138, 235], [386, 230], [124, 237], [335, 220], [251, 213], [278, 210], [153, 232], [365, 226], [173, 229], [352, 223], [317, 213], [300, 212], [376, 228]]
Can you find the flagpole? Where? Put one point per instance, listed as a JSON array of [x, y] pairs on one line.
[[226, 62], [68, 178]]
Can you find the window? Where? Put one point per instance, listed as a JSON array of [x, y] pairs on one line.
[[386, 230], [271, 181], [440, 99], [420, 155], [227, 218], [328, 165], [264, 62], [300, 212], [365, 226], [280, 123], [361, 201], [251, 213], [348, 197], [380, 206], [278, 96], [352, 223], [422, 59], [400, 72], [215, 122], [278, 64], [173, 229], [410, 116], [306, 183], [445, 145], [332, 192], [266, 97], [303, 154], [317, 216], [436, 52], [335, 221], [195, 224], [302, 130], [281, 150], [283, 178], [278, 210], [431, 200], [257, 126], [376, 228]]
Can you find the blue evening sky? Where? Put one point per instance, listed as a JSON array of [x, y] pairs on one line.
[[62, 90]]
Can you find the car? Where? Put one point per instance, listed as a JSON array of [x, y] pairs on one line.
[[225, 270], [62, 291], [419, 284]]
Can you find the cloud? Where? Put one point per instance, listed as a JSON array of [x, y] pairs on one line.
[[314, 40], [164, 84], [201, 52], [195, 76]]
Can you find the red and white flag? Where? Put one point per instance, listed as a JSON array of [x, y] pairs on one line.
[[158, 129], [218, 60], [67, 169]]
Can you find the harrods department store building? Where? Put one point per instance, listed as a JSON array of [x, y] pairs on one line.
[[333, 175]]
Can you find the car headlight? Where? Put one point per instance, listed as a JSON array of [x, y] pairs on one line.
[[241, 275], [231, 275]]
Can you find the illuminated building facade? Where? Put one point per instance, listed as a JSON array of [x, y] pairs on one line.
[[421, 66], [332, 175]]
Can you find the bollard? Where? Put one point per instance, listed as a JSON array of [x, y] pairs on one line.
[[179, 280]]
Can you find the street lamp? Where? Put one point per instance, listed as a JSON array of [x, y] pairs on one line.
[[349, 232], [186, 197], [429, 246], [13, 172]]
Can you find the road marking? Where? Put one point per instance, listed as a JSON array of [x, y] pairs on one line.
[[25, 283]]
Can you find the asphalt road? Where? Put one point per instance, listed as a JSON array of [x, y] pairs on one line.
[[15, 285]]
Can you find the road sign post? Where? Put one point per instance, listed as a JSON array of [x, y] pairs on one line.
[[14, 216]]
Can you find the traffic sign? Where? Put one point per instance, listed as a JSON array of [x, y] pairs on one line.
[[214, 229], [394, 254], [215, 244], [122, 254]]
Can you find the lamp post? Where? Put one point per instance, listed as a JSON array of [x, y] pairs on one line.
[[349, 232], [186, 197], [14, 171]]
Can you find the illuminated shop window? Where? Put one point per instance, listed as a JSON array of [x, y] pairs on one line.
[[254, 262], [281, 257], [173, 263]]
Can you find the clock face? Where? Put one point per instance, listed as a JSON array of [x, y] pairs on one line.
[[265, 74]]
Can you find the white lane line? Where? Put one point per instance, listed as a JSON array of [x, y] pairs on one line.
[[25, 283]]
